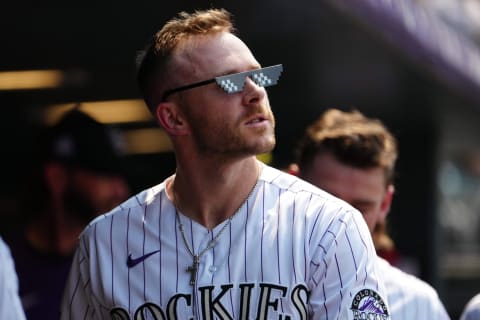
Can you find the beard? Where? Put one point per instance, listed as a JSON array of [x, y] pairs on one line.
[[78, 206], [215, 135]]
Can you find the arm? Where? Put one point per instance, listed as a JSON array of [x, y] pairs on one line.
[[345, 282], [76, 302]]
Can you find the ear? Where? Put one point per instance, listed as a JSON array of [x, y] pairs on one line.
[[293, 169], [387, 201], [55, 175], [171, 119]]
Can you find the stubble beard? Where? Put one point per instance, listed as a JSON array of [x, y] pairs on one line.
[[232, 141], [78, 206]]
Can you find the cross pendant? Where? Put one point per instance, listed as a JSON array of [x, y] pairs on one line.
[[193, 270]]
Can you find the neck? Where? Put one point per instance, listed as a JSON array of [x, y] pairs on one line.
[[212, 195]]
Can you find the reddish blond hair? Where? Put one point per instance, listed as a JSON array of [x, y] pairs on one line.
[[155, 70]]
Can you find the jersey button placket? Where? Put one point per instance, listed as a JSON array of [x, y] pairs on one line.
[[204, 274]]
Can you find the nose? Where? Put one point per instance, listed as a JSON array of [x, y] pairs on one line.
[[252, 93]]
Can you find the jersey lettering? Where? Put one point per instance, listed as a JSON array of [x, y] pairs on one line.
[[246, 294], [212, 307], [209, 306], [172, 304], [265, 303], [119, 314], [149, 311], [299, 303]]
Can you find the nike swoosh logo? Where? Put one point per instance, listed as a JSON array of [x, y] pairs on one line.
[[131, 262]]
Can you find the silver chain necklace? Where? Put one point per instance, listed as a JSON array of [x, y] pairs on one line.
[[196, 257]]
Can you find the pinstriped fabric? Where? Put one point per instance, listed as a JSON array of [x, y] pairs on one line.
[[245, 241], [111, 257], [159, 244], [288, 241], [279, 241], [128, 271], [10, 304], [472, 309], [177, 264], [229, 264], [410, 297], [143, 253], [364, 241], [262, 234]]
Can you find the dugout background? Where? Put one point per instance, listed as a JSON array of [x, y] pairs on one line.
[[332, 57]]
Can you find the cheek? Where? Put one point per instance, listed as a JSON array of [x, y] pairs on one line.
[[206, 115], [105, 192], [110, 189], [372, 217], [370, 220]]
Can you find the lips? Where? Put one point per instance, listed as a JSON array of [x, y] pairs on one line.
[[257, 119]]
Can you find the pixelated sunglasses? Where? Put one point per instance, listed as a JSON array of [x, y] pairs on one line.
[[233, 83]]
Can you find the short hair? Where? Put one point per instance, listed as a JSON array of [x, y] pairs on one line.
[[154, 69], [351, 138]]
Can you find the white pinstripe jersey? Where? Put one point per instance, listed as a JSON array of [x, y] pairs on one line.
[[410, 297], [472, 309], [10, 305], [291, 251]]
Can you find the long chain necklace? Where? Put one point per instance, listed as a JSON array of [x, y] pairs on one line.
[[196, 257]]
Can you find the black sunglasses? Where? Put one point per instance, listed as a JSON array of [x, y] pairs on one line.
[[233, 83]]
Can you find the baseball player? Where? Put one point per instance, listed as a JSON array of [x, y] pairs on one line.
[[472, 309], [10, 305], [77, 175], [353, 157], [226, 236]]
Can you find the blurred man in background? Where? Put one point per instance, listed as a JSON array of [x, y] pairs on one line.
[[353, 157], [79, 175]]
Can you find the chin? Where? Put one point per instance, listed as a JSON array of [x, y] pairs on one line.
[[267, 146]]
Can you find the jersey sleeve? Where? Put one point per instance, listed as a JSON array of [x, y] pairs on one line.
[[10, 305], [472, 309], [77, 297], [345, 281], [427, 296], [439, 309]]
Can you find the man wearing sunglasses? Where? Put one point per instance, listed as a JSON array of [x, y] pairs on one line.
[[226, 236]]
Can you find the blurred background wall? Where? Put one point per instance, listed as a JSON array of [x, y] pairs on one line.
[[413, 64]]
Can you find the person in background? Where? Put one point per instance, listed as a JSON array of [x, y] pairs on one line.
[[472, 309], [10, 305], [353, 157], [225, 236], [77, 176]]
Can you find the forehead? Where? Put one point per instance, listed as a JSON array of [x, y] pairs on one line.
[[345, 181], [213, 55]]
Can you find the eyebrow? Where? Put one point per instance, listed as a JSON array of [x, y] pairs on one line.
[[235, 71]]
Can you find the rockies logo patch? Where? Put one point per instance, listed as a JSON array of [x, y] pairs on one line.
[[368, 304]]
